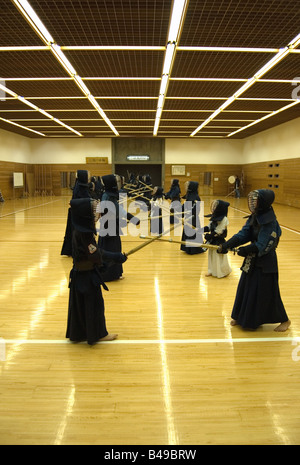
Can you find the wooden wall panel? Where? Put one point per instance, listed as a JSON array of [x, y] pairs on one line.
[[48, 177], [282, 176], [95, 169], [42, 179], [219, 174], [7, 169]]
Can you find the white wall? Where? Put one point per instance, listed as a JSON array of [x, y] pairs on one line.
[[14, 147], [203, 151], [69, 150], [279, 143]]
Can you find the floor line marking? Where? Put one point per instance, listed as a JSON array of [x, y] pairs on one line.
[[282, 226], [29, 208], [158, 341]]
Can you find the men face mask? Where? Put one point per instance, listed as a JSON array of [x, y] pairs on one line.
[[213, 205], [253, 201]]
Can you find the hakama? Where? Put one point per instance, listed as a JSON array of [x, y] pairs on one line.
[[86, 319]]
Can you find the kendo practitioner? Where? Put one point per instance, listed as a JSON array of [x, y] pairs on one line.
[[215, 234], [191, 219], [139, 191], [86, 319], [1, 197], [174, 195], [174, 192], [122, 188], [99, 188], [81, 190], [116, 216], [258, 299], [156, 223], [92, 191], [132, 179], [148, 189], [237, 184]]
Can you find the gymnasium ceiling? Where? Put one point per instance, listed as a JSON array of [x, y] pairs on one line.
[[216, 87]]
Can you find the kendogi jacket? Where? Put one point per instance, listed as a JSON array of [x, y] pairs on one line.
[[217, 229], [87, 256], [262, 231], [117, 212], [174, 192]]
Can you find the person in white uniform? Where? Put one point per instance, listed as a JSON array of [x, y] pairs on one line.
[[216, 231]]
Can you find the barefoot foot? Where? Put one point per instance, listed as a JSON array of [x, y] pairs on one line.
[[283, 327], [233, 322], [109, 337]]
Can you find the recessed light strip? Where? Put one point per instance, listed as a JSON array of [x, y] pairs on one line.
[[33, 48], [30, 15], [39, 78], [207, 79], [34, 21], [282, 53], [113, 47], [176, 22], [228, 49], [40, 110], [159, 48], [273, 113], [20, 126]]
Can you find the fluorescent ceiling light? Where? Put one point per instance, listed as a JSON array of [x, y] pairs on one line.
[[120, 78], [176, 19], [7, 91], [178, 11], [296, 79], [160, 101], [245, 87], [66, 126], [228, 49], [208, 79], [34, 107], [273, 62], [156, 125], [295, 42], [34, 20], [269, 65], [164, 84], [168, 58], [22, 127], [261, 99], [39, 27], [113, 47], [158, 113], [61, 57], [273, 113], [40, 79], [81, 85], [34, 48]]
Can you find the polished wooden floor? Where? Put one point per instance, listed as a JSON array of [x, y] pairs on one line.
[[178, 374]]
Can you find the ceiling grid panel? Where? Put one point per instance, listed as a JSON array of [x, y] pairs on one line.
[[116, 68]]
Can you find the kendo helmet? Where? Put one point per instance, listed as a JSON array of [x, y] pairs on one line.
[[219, 209], [260, 200], [83, 213]]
